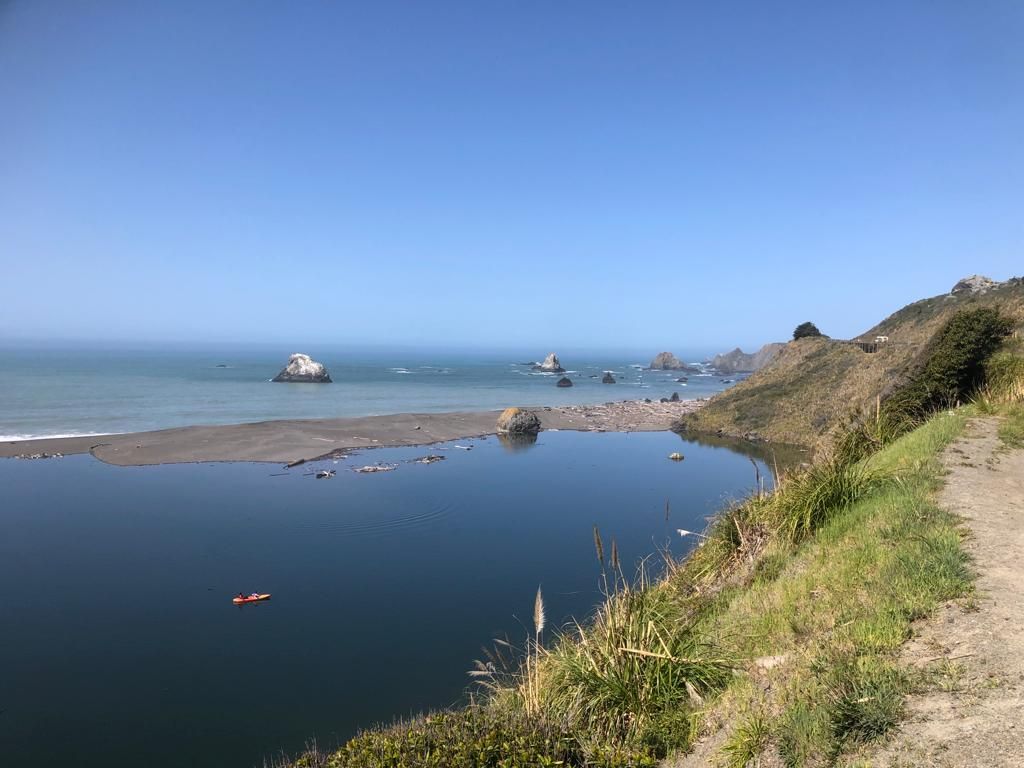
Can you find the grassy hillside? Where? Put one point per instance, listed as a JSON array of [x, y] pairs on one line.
[[816, 384], [777, 638]]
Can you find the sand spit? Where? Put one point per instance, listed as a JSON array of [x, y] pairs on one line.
[[297, 440]]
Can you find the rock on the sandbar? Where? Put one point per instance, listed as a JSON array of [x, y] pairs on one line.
[[666, 361], [674, 398], [550, 364], [518, 421], [303, 368], [565, 381], [608, 378]]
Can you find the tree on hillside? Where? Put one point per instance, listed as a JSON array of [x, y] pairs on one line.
[[805, 330]]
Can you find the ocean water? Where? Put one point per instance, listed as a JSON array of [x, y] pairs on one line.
[[53, 391], [120, 647]]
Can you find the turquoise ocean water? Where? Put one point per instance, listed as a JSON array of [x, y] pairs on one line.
[[81, 390]]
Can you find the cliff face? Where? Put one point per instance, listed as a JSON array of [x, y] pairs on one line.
[[739, 361], [811, 386]]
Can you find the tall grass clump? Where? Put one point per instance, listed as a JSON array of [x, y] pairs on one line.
[[625, 681], [1004, 379], [814, 496]]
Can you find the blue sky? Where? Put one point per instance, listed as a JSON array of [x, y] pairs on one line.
[[586, 174]]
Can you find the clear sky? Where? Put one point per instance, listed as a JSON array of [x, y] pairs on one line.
[[504, 173]]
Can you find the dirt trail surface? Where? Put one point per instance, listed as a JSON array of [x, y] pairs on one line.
[[288, 441], [976, 717]]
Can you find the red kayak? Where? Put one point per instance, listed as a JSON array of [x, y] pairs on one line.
[[249, 599]]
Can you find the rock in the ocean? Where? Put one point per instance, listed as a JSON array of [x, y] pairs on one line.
[[608, 378], [666, 361], [674, 398], [565, 381], [303, 368], [550, 364], [517, 421]]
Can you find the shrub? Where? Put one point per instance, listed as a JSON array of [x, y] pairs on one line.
[[806, 330], [474, 737], [951, 367]]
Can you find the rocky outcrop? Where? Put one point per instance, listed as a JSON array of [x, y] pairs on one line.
[[517, 421], [739, 361], [607, 378], [565, 381], [303, 368], [974, 284], [666, 361], [550, 365]]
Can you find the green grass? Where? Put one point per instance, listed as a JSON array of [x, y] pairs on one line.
[[1011, 428], [825, 577], [837, 607]]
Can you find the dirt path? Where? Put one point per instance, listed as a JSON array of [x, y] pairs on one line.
[[976, 717]]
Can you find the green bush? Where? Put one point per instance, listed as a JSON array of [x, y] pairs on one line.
[[951, 367], [474, 737]]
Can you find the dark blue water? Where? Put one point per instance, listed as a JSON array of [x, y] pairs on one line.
[[119, 645]]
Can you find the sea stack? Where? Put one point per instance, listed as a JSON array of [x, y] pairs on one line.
[[666, 361], [550, 364], [608, 378], [518, 421], [303, 368], [565, 381]]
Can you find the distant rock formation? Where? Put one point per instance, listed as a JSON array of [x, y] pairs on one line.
[[565, 381], [550, 364], [517, 421], [974, 284], [666, 361], [303, 368], [739, 361], [608, 378]]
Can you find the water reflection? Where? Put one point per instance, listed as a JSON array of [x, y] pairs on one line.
[[515, 443]]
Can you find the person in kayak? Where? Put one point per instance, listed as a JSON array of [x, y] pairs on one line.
[[241, 596]]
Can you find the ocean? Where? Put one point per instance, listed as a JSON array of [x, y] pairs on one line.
[[53, 391]]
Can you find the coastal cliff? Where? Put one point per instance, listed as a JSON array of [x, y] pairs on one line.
[[811, 386]]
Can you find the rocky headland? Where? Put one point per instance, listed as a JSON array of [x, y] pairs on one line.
[[739, 361]]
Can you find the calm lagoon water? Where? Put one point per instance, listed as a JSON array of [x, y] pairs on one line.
[[120, 646]]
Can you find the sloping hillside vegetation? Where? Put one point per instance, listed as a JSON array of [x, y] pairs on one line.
[[816, 385], [776, 638]]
